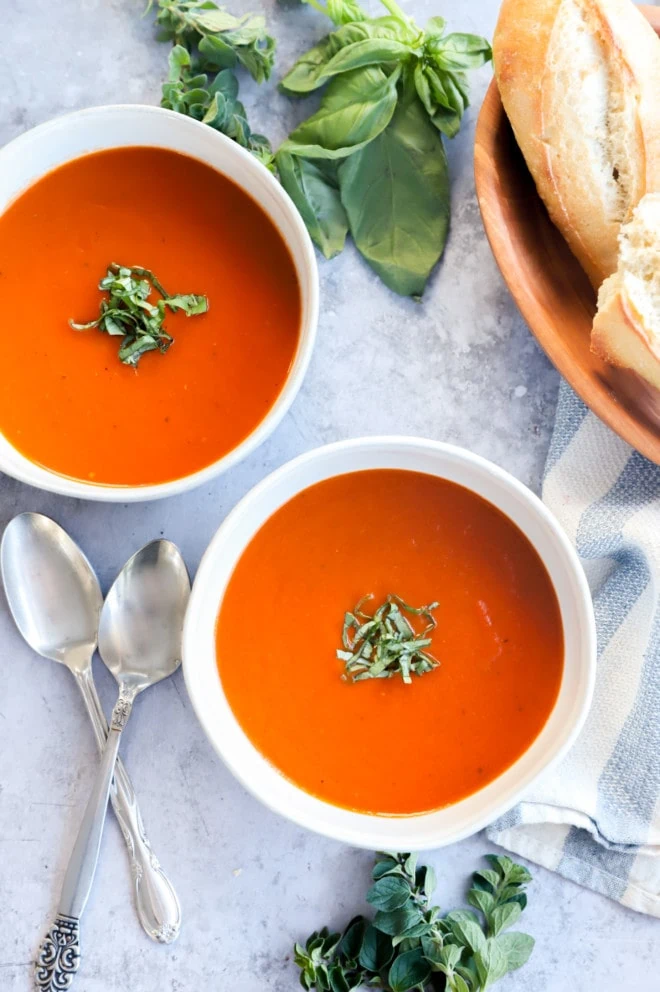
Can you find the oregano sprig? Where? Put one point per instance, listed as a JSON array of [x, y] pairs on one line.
[[209, 44], [408, 941]]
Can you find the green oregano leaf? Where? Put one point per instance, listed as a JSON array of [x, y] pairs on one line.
[[376, 951], [516, 947], [408, 971], [389, 893]]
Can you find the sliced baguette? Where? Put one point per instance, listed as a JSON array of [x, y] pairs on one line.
[[579, 80], [626, 330]]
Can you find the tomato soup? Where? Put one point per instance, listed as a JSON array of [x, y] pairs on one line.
[[381, 746], [67, 402]]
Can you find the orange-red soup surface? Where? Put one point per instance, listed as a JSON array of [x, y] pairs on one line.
[[67, 402], [381, 746]]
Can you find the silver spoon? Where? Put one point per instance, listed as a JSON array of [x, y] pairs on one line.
[[140, 642], [55, 600]]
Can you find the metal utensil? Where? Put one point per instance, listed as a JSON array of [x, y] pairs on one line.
[[140, 631], [55, 600]]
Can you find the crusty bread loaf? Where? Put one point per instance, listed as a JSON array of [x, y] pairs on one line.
[[580, 82], [626, 329]]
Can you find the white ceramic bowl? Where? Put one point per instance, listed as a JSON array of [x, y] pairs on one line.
[[33, 154], [446, 825]]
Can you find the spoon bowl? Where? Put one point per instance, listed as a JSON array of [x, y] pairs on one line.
[[52, 591], [142, 618]]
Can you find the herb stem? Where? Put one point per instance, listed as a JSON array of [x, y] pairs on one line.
[[395, 10], [317, 6]]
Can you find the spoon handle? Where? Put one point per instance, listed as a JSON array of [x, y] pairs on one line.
[[156, 901], [54, 968]]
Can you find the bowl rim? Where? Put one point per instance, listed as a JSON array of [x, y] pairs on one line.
[[369, 830], [32, 473]]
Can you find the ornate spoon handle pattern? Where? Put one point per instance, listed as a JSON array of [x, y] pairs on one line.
[[156, 901], [59, 956]]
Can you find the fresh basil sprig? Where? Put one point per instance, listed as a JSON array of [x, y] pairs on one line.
[[408, 944], [208, 45], [393, 90], [128, 313], [386, 644]]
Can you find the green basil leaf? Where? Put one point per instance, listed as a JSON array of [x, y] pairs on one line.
[[428, 86], [376, 951], [372, 51], [408, 971], [379, 27], [491, 963], [388, 893], [396, 195], [423, 88], [345, 11], [516, 947], [435, 27], [355, 109], [318, 201], [447, 89], [305, 75], [503, 917], [398, 920], [458, 984], [461, 51], [190, 303]]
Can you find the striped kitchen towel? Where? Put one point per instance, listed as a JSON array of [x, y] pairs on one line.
[[595, 818]]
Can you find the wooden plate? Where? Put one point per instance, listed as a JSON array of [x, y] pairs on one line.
[[546, 281]]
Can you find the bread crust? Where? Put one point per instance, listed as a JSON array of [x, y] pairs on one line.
[[572, 157], [620, 336]]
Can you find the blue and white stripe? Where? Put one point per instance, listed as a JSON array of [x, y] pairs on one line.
[[596, 818]]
